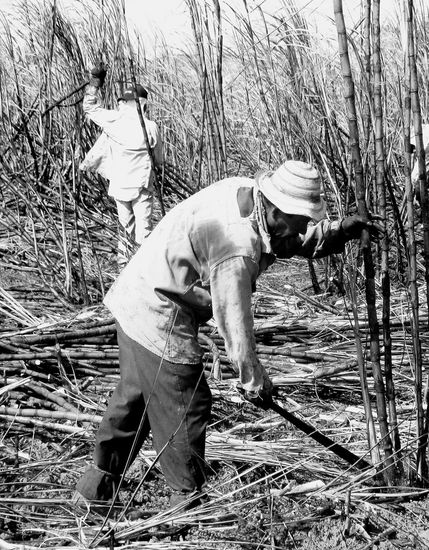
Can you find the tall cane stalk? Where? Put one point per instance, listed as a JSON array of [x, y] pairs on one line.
[[420, 146], [421, 463], [360, 355], [381, 194], [140, 114], [349, 95]]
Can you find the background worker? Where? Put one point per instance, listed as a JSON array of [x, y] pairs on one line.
[[121, 155], [415, 170], [202, 260]]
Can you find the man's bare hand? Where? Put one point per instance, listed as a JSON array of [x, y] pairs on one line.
[[260, 397]]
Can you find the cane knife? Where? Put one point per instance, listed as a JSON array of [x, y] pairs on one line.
[[330, 444]]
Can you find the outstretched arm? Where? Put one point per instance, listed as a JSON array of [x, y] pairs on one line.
[[326, 237], [92, 104]]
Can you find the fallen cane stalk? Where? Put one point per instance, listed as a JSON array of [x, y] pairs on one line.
[[48, 426], [66, 415], [385, 534]]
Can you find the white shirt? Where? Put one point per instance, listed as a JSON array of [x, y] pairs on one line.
[[203, 259], [120, 153]]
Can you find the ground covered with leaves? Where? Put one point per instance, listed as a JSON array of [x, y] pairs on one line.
[[270, 486]]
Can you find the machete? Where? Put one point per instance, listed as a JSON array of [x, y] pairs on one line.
[[321, 438]]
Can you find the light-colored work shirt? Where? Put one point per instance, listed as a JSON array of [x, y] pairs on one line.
[[425, 137], [120, 154], [202, 260]]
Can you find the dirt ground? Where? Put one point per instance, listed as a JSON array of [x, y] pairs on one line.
[[39, 468]]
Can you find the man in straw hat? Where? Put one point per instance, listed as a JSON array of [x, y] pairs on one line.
[[201, 261], [121, 155]]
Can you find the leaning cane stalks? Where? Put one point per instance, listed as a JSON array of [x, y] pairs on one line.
[[366, 248], [219, 88], [210, 69]]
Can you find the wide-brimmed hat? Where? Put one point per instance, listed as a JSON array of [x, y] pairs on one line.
[[128, 94], [294, 188]]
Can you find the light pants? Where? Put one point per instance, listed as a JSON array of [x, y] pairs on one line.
[[135, 219]]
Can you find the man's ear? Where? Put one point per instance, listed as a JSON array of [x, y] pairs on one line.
[[276, 212]]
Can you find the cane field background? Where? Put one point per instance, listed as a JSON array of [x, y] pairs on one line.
[[345, 339]]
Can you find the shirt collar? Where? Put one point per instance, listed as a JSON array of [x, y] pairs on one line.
[[261, 219]]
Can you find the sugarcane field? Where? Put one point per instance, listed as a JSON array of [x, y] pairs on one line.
[[214, 274]]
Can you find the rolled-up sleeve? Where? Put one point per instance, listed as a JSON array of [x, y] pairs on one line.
[[231, 285]]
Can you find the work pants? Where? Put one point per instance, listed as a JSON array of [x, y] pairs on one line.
[[135, 219], [177, 400]]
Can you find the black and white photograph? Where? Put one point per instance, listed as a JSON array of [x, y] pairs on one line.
[[214, 274]]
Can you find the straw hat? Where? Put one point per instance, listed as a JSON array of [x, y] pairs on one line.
[[294, 188]]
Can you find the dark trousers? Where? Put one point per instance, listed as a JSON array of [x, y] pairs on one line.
[[178, 404]]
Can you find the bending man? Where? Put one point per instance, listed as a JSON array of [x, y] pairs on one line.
[[202, 260]]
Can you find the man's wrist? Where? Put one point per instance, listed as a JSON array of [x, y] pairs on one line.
[[338, 229]]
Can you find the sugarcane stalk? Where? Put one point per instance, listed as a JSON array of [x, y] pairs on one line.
[[367, 67], [421, 462], [424, 203], [153, 164], [349, 95], [194, 14], [219, 87], [55, 415], [381, 194], [67, 264], [212, 98], [259, 79], [78, 242], [43, 425], [109, 327], [363, 377], [420, 146], [53, 354], [208, 93], [51, 396]]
